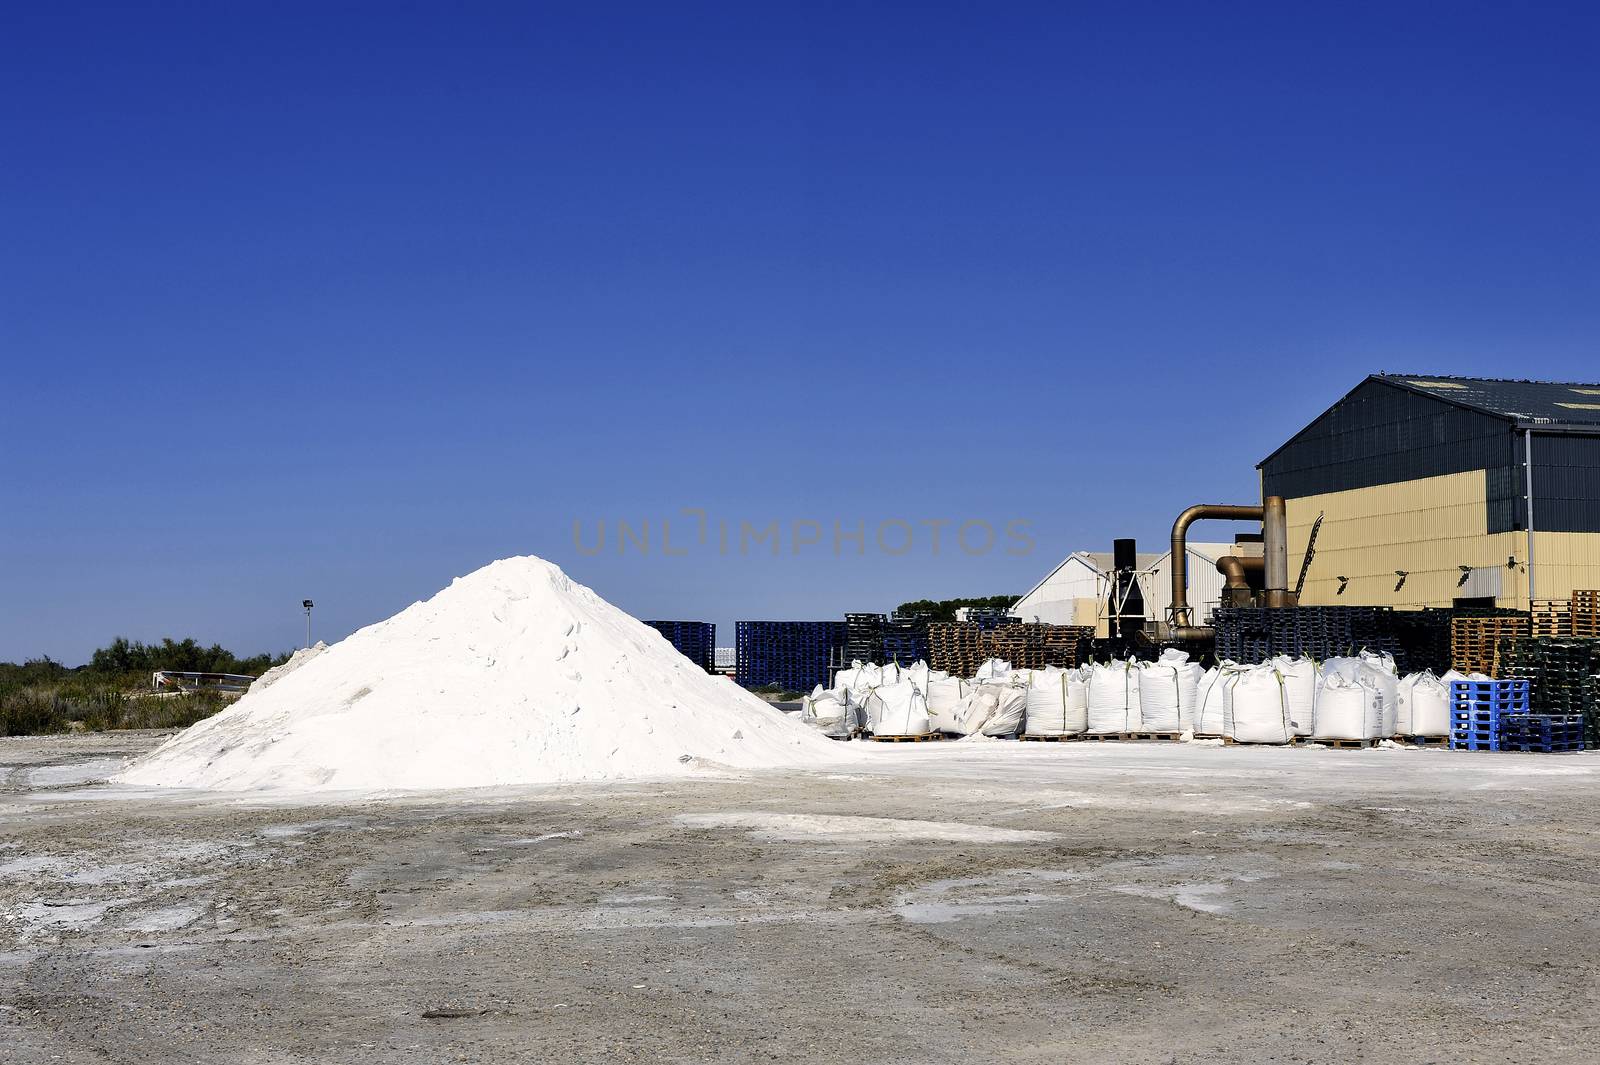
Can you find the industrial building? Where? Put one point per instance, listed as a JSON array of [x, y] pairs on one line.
[[1409, 492], [1078, 591], [1427, 495]]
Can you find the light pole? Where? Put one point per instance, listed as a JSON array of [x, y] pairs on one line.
[[308, 604]]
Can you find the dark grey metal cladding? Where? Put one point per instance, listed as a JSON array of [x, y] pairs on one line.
[[1383, 432], [1566, 483], [1380, 434]]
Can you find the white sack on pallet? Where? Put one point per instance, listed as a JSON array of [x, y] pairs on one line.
[[1113, 699], [993, 669], [1349, 709], [1058, 704], [1300, 681], [897, 710], [1168, 689], [1424, 708], [1382, 661], [1377, 671], [1213, 715], [945, 698], [1010, 708], [830, 713], [918, 674], [1258, 702], [861, 677]]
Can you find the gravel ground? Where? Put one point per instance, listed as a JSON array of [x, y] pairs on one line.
[[943, 902]]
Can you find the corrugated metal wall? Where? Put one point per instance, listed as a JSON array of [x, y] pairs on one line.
[[1430, 528], [1380, 434]]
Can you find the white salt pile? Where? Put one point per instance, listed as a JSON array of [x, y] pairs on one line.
[[514, 674]]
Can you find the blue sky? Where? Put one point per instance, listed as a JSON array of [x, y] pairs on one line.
[[343, 301]]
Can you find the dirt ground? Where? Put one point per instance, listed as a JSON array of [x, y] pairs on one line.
[[940, 903]]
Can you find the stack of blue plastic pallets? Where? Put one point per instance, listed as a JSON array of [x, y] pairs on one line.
[[1544, 733], [794, 655], [695, 640], [1479, 708], [905, 642]]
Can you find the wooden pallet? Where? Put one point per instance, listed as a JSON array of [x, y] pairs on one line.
[[1475, 641], [1170, 737], [1552, 617], [1293, 741], [1425, 741], [909, 739], [1104, 737], [1584, 612], [1344, 745], [1053, 739]]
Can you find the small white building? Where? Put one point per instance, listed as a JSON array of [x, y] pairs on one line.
[[1076, 591]]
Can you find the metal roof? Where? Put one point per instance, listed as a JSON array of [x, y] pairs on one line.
[[1534, 403], [1544, 406]]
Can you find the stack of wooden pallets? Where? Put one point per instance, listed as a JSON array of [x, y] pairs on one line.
[[1475, 641]]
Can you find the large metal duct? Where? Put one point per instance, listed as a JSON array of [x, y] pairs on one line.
[[1275, 550], [1183, 627], [1273, 516], [1237, 590]]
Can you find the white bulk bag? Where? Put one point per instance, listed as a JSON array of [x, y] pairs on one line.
[[830, 713], [1382, 661], [982, 700], [945, 698], [1057, 704], [1377, 671], [993, 669], [1424, 708], [1168, 689], [1011, 706], [859, 679], [1300, 682], [897, 710], [1258, 702], [1213, 714], [917, 673], [1113, 699], [1349, 710]]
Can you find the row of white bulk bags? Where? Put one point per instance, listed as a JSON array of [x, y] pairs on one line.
[[1113, 698], [1057, 703], [830, 713], [1349, 709], [1424, 706], [1257, 701], [1168, 689], [897, 710]]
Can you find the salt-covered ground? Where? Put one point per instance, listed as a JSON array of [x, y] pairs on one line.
[[930, 903]]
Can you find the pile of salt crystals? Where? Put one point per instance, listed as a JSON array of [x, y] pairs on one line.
[[514, 674]]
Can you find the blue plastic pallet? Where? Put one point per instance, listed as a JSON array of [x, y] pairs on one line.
[[1532, 747], [1488, 687]]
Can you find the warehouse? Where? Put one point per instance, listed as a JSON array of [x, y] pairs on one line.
[[1427, 496], [1077, 591]]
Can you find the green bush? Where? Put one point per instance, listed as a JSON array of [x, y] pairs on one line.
[[113, 690]]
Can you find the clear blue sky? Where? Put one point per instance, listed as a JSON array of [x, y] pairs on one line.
[[343, 301]]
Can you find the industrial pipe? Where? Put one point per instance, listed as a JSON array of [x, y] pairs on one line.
[[1236, 591], [1183, 627], [1275, 550]]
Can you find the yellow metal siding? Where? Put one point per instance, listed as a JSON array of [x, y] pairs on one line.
[[1428, 527]]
